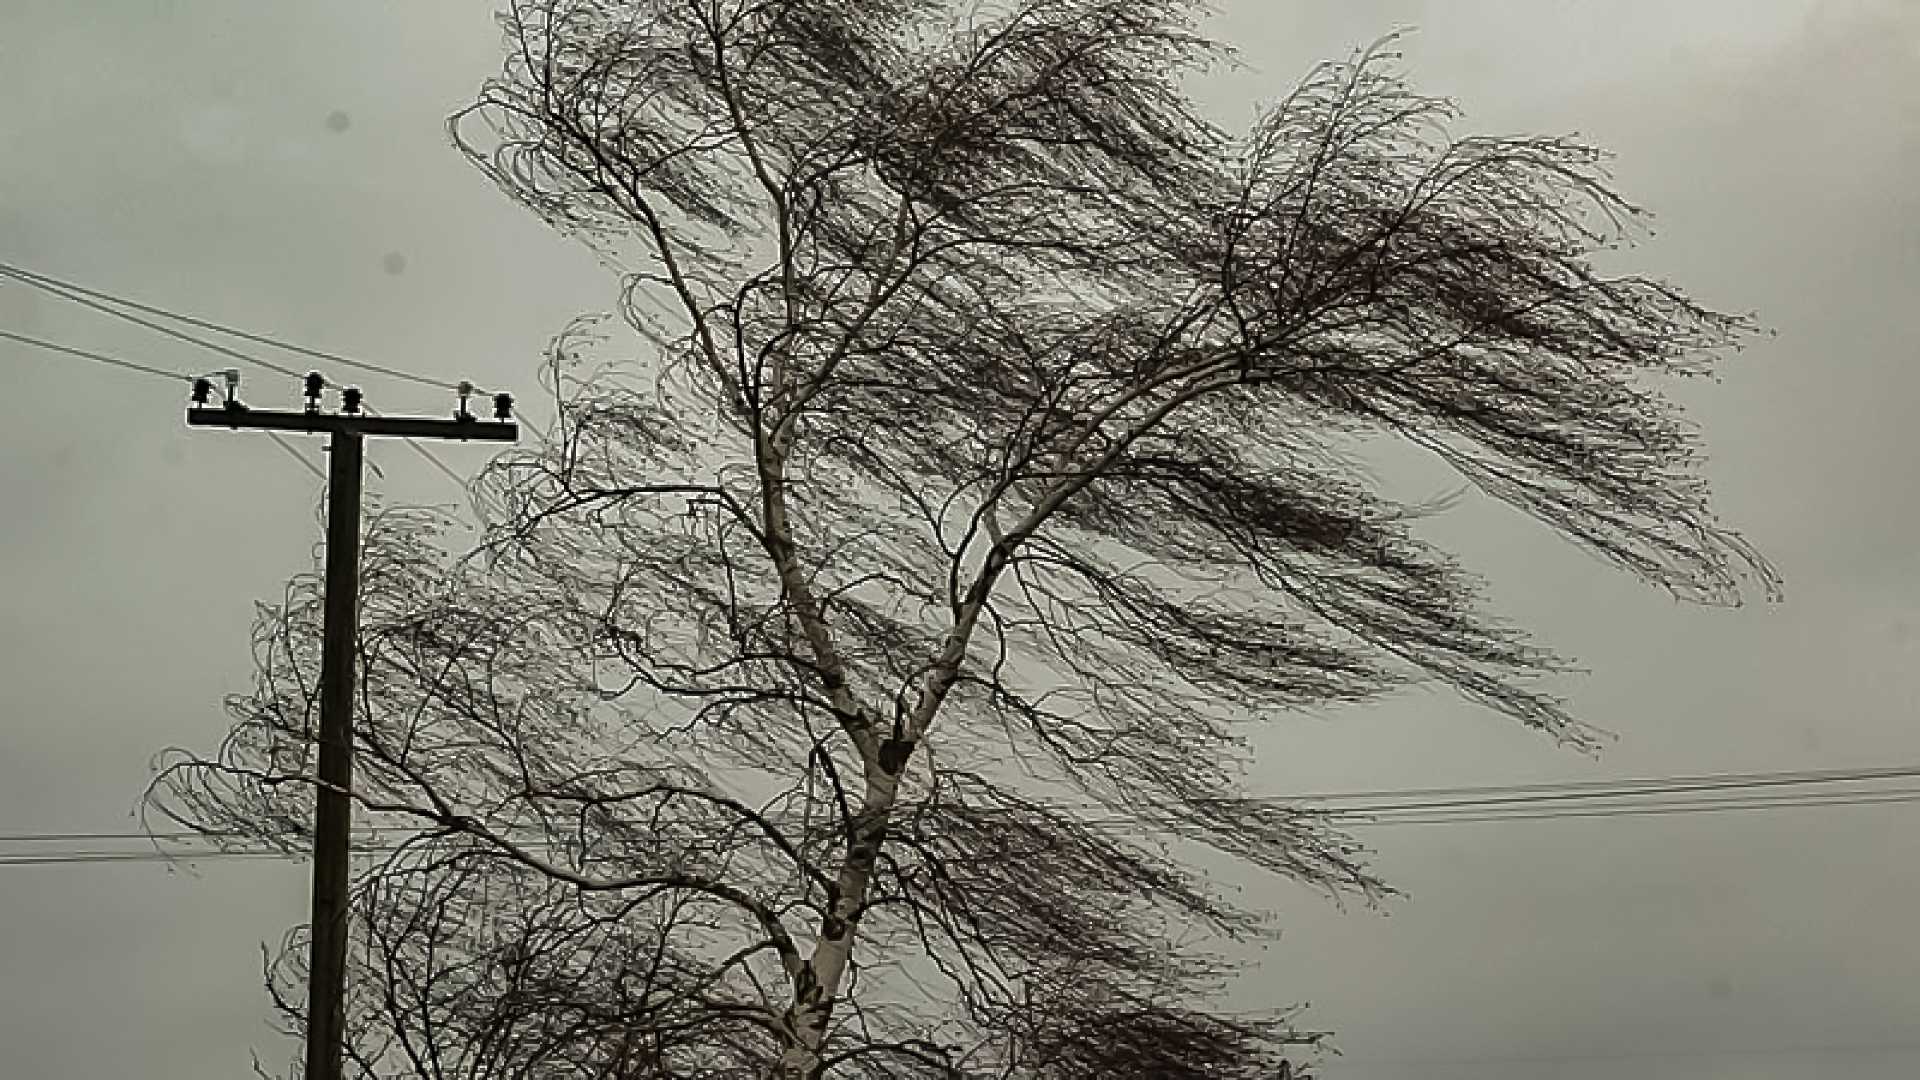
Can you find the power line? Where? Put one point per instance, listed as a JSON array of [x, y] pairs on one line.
[[1112, 825], [99, 358], [60, 290], [1589, 792], [1385, 803], [76, 856], [44, 857], [93, 299], [432, 458], [144, 369], [373, 832], [294, 452], [72, 858], [57, 289], [1705, 806], [52, 284], [1895, 1047], [66, 290], [1661, 782], [1130, 826]]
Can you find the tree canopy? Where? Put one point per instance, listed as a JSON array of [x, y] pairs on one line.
[[827, 687]]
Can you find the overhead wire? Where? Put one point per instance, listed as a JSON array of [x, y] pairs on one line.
[[146, 369], [285, 444], [432, 458], [88, 301], [1586, 791], [187, 854], [103, 301], [97, 357], [1426, 1065], [40, 857], [1629, 783], [1704, 806], [62, 290], [34, 277], [1758, 793], [1494, 797], [1416, 814], [60, 286]]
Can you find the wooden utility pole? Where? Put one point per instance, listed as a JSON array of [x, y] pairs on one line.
[[333, 811]]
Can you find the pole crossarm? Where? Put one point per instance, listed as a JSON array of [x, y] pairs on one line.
[[320, 423]]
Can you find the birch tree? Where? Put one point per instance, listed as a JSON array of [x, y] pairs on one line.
[[848, 683]]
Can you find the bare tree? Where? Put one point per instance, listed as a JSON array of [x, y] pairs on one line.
[[845, 688]]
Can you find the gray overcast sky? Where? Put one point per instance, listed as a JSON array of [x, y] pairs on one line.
[[282, 166]]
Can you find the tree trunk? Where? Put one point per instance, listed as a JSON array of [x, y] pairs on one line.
[[797, 1063], [819, 981]]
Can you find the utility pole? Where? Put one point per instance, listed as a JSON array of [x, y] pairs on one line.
[[333, 810]]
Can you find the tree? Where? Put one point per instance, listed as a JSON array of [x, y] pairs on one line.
[[821, 691]]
